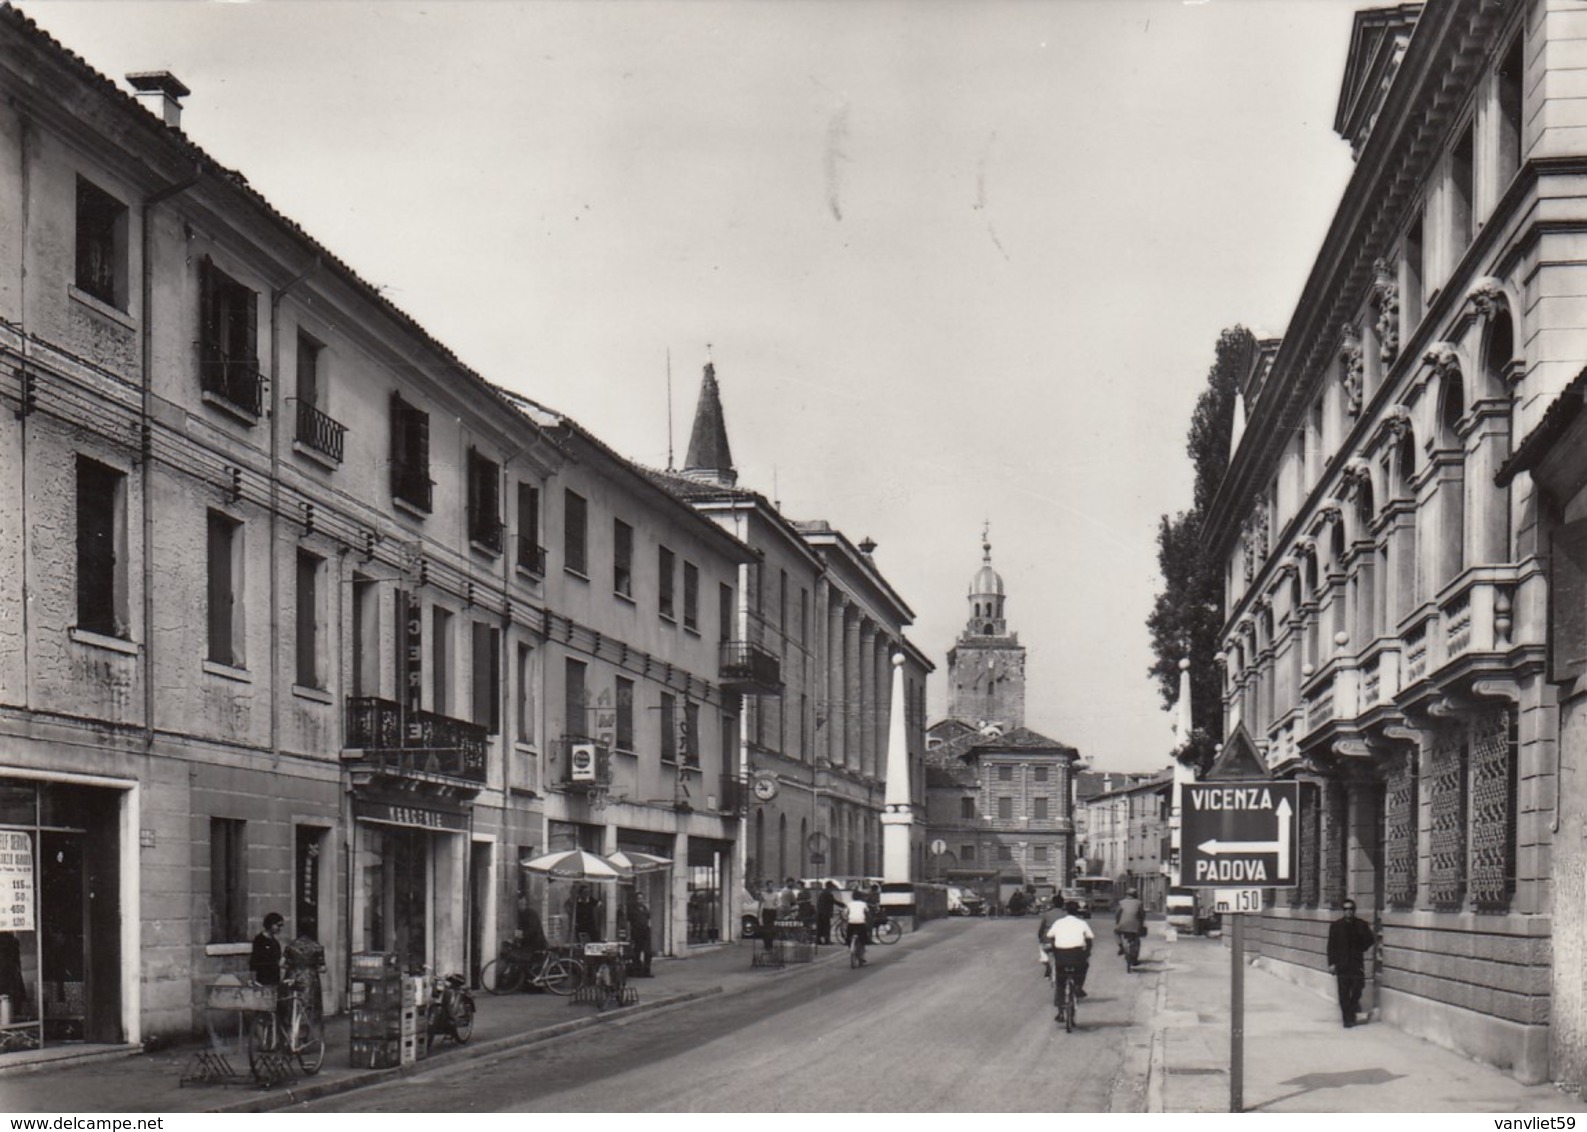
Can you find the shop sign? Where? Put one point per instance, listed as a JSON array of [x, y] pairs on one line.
[[418, 817], [16, 882], [414, 614]]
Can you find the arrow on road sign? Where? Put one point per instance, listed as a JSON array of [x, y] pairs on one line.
[[1280, 846]]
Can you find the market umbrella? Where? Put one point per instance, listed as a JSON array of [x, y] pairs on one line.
[[636, 862], [573, 864]]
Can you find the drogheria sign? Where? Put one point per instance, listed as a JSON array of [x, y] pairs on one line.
[[1239, 833]]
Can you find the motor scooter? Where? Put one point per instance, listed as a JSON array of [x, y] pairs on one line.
[[451, 1012]]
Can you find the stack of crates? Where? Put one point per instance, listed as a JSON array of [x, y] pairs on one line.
[[380, 1016], [414, 1025]]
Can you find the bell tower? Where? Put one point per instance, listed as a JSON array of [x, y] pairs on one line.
[[986, 666]]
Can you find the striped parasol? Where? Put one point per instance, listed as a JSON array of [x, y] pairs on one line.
[[574, 864], [636, 862]]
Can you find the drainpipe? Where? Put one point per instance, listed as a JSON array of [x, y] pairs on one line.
[[276, 296], [146, 442]]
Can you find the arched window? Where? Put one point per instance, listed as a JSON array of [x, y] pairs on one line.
[[1451, 408]]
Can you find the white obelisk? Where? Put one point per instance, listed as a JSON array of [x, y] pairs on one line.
[[898, 812]]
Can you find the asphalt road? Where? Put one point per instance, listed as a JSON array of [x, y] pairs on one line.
[[956, 1019]]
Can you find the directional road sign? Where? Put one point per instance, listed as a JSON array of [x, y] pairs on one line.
[[1239, 834]]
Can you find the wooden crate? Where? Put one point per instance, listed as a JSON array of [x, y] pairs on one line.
[[370, 1053]]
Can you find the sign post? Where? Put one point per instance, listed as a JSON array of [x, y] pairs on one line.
[[1239, 837]]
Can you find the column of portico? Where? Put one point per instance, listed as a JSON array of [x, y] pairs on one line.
[[867, 752], [851, 688], [833, 674]]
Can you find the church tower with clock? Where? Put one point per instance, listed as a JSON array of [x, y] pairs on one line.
[[986, 666]]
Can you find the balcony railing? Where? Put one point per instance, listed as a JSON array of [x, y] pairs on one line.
[[748, 668], [733, 795], [413, 744], [319, 432], [234, 379], [530, 555]]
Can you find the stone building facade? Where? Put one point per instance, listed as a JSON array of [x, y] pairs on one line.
[[818, 614], [1386, 592], [299, 613], [1125, 833]]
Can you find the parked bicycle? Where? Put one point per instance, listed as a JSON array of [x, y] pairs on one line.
[[516, 966], [885, 930], [451, 1012], [294, 1031]]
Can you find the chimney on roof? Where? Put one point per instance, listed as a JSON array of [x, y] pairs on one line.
[[162, 92]]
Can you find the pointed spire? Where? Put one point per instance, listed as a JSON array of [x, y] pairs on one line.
[[709, 459]]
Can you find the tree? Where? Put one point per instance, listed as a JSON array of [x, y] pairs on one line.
[[1188, 613]]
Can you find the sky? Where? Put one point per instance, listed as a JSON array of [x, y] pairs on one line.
[[957, 262]]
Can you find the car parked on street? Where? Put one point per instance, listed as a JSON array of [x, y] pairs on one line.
[[965, 902], [1078, 901]]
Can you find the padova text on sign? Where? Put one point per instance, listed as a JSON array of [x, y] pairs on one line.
[[1239, 834]]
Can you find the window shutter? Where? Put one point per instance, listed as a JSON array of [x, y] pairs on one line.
[[399, 434], [250, 324], [421, 445], [208, 314], [1567, 595]]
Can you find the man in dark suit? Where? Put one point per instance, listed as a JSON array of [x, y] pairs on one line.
[[1349, 940], [826, 903]]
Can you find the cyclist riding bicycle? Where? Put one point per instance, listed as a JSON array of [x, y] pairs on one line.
[[1129, 924], [1067, 943], [860, 916]]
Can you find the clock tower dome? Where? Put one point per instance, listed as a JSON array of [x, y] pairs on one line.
[[986, 666]]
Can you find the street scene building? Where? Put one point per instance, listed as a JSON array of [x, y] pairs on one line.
[[1387, 635], [305, 616], [999, 796], [1124, 834], [818, 625]]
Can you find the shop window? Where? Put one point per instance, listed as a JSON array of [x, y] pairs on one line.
[[101, 549], [691, 596], [575, 543], [101, 245], [665, 582], [225, 566], [486, 674], [310, 650], [625, 714], [622, 559], [228, 880]]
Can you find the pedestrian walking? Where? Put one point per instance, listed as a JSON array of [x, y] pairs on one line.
[[639, 934], [1349, 940], [826, 904]]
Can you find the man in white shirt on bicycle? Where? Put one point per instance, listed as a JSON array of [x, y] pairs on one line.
[[860, 921], [1067, 942]]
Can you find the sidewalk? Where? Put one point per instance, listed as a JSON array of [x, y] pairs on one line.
[[149, 1083], [1297, 1055]]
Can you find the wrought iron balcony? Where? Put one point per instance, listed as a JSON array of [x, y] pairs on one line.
[[529, 555], [385, 738], [733, 795], [319, 432], [749, 669], [235, 379]]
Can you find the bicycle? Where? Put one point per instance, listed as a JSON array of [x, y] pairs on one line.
[[857, 934], [887, 931], [1130, 943], [273, 1042], [516, 966], [1063, 977]]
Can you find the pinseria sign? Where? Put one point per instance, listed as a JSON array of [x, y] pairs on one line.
[[1239, 834]]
